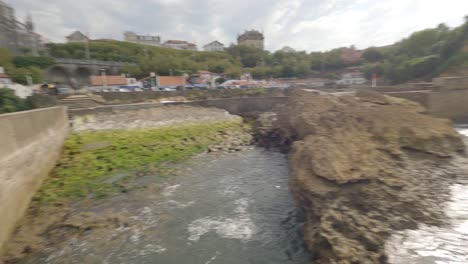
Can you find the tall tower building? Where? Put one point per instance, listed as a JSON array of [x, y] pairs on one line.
[[251, 38]]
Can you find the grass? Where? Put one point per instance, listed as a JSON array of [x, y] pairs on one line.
[[90, 160]]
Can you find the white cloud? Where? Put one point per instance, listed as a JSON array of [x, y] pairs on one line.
[[302, 24]]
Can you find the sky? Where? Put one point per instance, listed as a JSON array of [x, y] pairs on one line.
[[311, 25]]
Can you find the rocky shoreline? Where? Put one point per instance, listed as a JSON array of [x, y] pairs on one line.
[[362, 167]]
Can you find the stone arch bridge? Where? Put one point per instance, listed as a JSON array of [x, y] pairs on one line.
[[76, 72]]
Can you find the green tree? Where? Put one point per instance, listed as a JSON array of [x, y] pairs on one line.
[[6, 59], [37, 61], [9, 102], [133, 70], [19, 74], [372, 54]]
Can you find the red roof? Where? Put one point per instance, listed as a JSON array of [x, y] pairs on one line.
[[102, 40], [3, 75], [178, 42], [110, 80], [350, 55], [171, 80]]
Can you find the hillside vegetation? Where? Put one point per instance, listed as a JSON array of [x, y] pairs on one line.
[[18, 67], [421, 56]]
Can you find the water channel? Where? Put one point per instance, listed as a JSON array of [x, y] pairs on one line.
[[228, 208]]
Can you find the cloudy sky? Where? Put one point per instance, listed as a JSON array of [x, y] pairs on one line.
[[312, 25]]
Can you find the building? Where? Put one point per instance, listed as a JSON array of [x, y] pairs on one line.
[[352, 78], [4, 78], [180, 44], [130, 36], [108, 80], [170, 81], [350, 55], [214, 46], [77, 36], [17, 36], [251, 38], [287, 49]]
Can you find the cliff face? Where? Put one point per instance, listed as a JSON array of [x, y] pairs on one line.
[[363, 166]]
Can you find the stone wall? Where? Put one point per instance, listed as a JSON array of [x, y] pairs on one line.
[[447, 98], [234, 106], [134, 97], [449, 104], [451, 83], [239, 106], [30, 143]]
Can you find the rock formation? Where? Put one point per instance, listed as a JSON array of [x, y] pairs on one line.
[[363, 165]]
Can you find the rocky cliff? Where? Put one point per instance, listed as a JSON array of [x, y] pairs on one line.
[[362, 166]]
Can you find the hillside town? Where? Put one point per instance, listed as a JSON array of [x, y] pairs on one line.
[[21, 39]]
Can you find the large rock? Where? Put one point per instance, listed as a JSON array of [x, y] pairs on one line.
[[363, 165]]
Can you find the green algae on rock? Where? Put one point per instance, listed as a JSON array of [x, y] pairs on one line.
[[98, 162]]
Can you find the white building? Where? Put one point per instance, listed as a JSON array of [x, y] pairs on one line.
[[214, 46], [352, 78], [180, 44], [130, 36], [4, 78], [77, 36]]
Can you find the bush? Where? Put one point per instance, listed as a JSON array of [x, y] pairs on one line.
[[9, 102], [19, 74], [36, 61]]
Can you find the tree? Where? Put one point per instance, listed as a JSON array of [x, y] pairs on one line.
[[6, 59], [372, 54], [9, 102], [38, 61], [133, 70], [19, 74]]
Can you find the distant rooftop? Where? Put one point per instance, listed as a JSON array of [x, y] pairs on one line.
[[251, 34], [110, 80], [213, 42], [179, 42]]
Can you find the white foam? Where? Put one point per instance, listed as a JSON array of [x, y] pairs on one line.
[[241, 227], [180, 204], [440, 244], [463, 131], [169, 190]]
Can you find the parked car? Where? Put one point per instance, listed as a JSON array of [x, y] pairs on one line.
[[64, 90], [167, 89]]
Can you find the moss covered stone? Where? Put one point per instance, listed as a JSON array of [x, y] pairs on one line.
[[97, 163]]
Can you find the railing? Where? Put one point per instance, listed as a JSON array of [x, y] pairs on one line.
[[91, 62]]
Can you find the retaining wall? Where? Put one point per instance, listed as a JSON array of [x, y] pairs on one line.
[[133, 97], [30, 143], [234, 106], [450, 104]]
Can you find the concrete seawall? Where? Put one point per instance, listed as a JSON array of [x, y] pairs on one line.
[[30, 143], [234, 106]]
